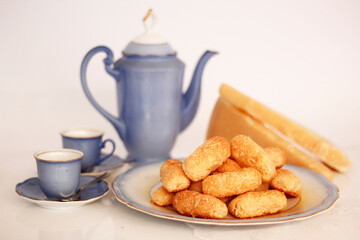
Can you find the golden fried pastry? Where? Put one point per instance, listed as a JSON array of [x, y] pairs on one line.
[[229, 166], [254, 204], [161, 197], [263, 187], [214, 172], [277, 155], [194, 204], [196, 186], [224, 199], [173, 177], [231, 183], [206, 158], [248, 154], [287, 182]]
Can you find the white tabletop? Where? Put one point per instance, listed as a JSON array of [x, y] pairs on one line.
[[301, 58], [109, 219]]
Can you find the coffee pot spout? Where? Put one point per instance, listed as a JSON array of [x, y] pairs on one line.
[[190, 100]]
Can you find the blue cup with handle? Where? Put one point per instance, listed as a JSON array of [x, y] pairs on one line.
[[59, 172], [89, 142]]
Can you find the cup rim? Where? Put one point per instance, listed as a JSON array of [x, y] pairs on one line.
[[97, 133], [81, 155]]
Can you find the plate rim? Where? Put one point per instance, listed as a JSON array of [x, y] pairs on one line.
[[331, 188]]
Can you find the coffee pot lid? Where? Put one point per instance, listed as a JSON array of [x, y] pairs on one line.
[[149, 43]]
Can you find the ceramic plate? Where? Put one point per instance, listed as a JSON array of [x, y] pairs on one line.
[[30, 190], [135, 186]]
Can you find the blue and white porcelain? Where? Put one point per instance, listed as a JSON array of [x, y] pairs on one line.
[[30, 190], [134, 189], [90, 143], [152, 109], [59, 172]]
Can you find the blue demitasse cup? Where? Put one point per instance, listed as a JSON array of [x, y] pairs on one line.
[[59, 172], [88, 141]]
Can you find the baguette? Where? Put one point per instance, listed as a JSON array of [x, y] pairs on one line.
[[227, 121], [320, 147]]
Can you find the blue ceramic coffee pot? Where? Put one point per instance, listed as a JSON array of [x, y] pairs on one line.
[[152, 110]]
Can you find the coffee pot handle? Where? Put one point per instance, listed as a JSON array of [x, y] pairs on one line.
[[108, 61]]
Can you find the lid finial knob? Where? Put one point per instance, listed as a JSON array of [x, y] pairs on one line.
[[150, 36]]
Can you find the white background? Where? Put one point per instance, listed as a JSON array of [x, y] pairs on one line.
[[301, 58]]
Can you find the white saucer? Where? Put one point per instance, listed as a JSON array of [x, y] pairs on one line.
[[30, 190]]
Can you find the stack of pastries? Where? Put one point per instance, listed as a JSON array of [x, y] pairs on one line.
[[239, 177]]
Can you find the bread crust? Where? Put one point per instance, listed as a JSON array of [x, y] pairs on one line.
[[206, 158], [232, 183], [194, 204], [173, 177], [255, 204], [248, 154], [287, 182], [225, 114], [315, 144]]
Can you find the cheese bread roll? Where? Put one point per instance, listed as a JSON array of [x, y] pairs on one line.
[[231, 183], [229, 166], [254, 204], [225, 199], [277, 155], [161, 197], [287, 182], [263, 187], [248, 154], [173, 177], [196, 186], [206, 158], [194, 204]]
